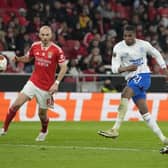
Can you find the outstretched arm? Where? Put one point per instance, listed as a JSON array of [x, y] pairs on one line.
[[23, 59], [117, 68], [127, 68]]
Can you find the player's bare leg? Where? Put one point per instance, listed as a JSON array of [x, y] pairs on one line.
[[114, 131], [141, 104], [44, 125], [20, 100]]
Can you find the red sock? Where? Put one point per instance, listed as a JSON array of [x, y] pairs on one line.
[[11, 114], [44, 124]]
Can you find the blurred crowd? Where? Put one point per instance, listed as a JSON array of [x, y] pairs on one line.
[[87, 30]]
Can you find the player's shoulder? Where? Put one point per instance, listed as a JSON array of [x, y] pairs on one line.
[[142, 42], [36, 43], [119, 45], [57, 47]]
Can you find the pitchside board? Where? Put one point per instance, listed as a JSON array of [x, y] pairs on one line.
[[15, 82]]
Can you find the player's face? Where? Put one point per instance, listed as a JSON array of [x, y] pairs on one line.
[[45, 35], [129, 37]]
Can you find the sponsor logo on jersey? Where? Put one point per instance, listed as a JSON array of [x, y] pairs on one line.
[[138, 61]]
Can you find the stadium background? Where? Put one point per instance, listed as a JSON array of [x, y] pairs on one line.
[[87, 31]]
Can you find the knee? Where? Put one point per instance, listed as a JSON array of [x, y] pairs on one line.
[[127, 93], [14, 108], [42, 115]]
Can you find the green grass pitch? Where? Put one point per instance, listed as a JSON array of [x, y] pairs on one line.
[[77, 145]]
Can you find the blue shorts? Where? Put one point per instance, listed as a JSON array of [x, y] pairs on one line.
[[139, 84]]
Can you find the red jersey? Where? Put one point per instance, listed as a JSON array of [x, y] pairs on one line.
[[46, 61]]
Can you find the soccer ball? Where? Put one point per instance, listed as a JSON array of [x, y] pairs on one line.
[[3, 63]]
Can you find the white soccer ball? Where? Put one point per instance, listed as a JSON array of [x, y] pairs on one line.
[[3, 63]]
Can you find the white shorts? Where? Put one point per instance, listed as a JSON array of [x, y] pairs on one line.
[[44, 99]]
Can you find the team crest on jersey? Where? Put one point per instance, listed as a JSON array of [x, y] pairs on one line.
[[37, 53], [50, 54], [43, 54]]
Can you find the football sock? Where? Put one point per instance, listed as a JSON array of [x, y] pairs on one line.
[[11, 114], [122, 109], [153, 125], [44, 124]]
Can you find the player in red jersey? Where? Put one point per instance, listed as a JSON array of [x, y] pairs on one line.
[[42, 84]]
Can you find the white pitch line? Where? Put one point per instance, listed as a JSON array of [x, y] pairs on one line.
[[80, 147]]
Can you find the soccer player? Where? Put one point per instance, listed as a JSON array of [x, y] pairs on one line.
[[42, 84], [130, 58]]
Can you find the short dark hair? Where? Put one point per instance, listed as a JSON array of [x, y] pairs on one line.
[[130, 28]]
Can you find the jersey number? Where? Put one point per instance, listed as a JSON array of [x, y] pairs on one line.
[[137, 79]]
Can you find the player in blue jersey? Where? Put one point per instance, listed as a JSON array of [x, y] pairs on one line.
[[130, 59]]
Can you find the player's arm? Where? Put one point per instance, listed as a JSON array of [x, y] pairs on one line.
[[115, 61], [157, 55], [116, 65], [29, 56], [23, 59], [63, 69], [127, 68]]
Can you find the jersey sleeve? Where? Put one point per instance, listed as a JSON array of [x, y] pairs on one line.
[[156, 54], [30, 52], [61, 56], [115, 61]]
